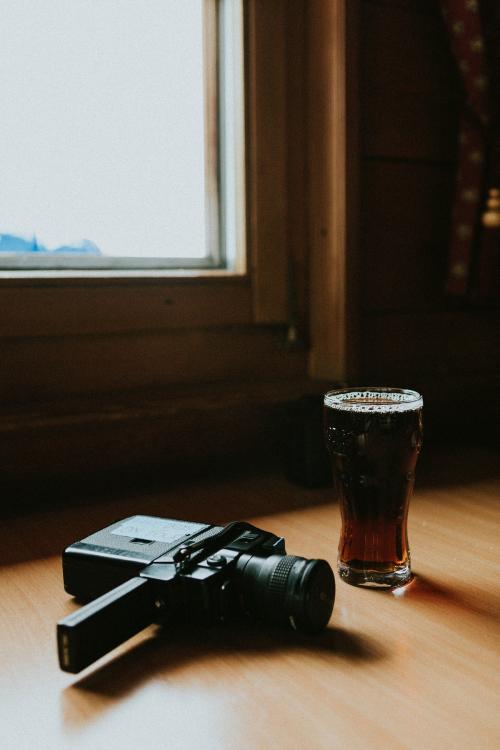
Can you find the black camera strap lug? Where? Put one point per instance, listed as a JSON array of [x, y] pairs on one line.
[[188, 555]]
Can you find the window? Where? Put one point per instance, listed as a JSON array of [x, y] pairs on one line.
[[91, 359], [121, 143], [79, 333]]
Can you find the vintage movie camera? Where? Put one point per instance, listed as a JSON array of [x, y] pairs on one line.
[[145, 569]]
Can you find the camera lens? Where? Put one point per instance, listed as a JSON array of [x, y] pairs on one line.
[[287, 589]]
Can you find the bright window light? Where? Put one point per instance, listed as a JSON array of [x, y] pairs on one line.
[[102, 134]]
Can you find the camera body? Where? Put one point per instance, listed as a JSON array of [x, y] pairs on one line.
[[146, 569]]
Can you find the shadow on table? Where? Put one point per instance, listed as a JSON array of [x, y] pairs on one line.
[[172, 650], [431, 591], [236, 495]]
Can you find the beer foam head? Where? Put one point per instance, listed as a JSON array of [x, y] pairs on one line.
[[377, 400]]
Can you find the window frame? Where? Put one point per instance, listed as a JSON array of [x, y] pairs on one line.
[[334, 181], [279, 296], [259, 220]]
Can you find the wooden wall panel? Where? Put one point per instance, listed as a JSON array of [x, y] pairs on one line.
[[410, 87], [440, 344], [297, 168], [412, 335], [266, 158], [85, 306], [176, 430], [406, 218], [419, 6], [333, 37], [452, 358], [409, 126], [62, 366], [404, 49]]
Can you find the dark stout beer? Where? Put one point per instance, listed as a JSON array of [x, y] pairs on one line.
[[374, 437]]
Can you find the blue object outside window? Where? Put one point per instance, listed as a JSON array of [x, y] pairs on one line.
[[11, 243]]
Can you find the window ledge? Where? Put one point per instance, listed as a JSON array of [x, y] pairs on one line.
[[62, 278], [144, 429]]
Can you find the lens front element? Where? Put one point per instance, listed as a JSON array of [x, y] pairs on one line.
[[287, 589]]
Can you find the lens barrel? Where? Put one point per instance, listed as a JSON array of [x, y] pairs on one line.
[[286, 589]]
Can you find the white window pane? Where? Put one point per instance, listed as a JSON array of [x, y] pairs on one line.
[[102, 125]]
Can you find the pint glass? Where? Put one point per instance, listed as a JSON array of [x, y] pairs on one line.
[[374, 436]]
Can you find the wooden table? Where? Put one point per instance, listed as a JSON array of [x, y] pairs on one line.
[[414, 668]]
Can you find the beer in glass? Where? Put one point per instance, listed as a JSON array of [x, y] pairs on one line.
[[374, 436]]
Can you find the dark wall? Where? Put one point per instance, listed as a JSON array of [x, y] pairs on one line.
[[410, 100]]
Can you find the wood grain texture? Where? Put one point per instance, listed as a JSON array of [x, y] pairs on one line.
[[452, 358], [410, 98], [333, 188], [409, 118], [410, 126], [297, 168], [417, 668], [266, 129], [140, 435], [405, 50], [56, 367], [62, 307], [414, 344], [405, 224]]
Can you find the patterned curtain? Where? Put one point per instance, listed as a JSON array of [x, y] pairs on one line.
[[474, 31]]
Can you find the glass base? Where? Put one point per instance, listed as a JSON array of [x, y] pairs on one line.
[[372, 577]]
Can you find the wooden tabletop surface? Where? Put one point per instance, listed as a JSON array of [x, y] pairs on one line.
[[414, 668]]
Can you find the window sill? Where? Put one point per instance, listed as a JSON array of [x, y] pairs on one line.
[[162, 432], [62, 278], [99, 303]]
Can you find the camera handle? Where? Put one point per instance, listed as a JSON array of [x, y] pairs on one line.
[[104, 623]]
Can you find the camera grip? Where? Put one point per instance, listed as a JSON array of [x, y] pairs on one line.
[[101, 625]]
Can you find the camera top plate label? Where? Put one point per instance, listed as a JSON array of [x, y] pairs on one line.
[[155, 529]]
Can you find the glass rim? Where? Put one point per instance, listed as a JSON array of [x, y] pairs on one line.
[[409, 399]]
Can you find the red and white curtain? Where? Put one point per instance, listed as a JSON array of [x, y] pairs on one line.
[[474, 31]]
